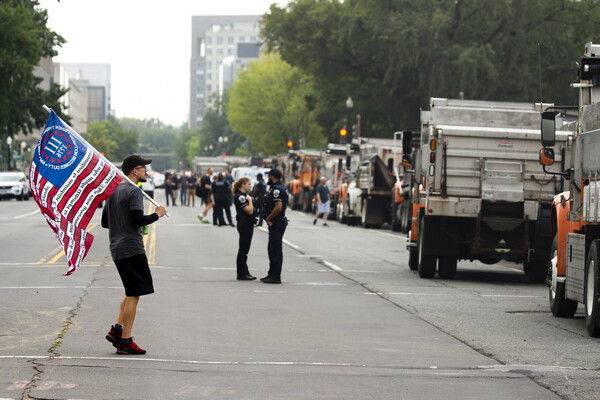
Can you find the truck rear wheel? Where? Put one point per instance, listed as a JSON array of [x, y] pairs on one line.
[[427, 263], [447, 267], [559, 304], [591, 291]]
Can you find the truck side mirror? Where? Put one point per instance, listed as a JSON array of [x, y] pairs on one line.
[[546, 156], [407, 137], [548, 129]]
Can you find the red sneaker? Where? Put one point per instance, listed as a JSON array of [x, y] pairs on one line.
[[114, 335], [129, 347]]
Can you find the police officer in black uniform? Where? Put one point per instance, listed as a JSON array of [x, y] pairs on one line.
[[276, 202], [245, 225], [220, 191]]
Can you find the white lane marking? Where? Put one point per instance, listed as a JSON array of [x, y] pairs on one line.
[[511, 295], [37, 265], [56, 287], [162, 360], [318, 283], [290, 244], [332, 266], [403, 293], [27, 215]]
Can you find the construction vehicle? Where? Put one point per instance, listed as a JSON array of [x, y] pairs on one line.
[[575, 255], [370, 194], [478, 193], [304, 168]]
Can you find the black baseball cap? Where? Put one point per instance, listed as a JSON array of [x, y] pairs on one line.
[[275, 173], [130, 162]]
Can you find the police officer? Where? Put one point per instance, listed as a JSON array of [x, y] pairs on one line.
[[258, 194], [245, 225], [276, 202], [220, 193]]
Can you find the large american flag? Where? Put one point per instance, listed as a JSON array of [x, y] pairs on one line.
[[68, 181]]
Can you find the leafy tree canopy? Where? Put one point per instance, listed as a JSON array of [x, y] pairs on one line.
[[271, 103], [109, 137], [25, 40], [391, 56]]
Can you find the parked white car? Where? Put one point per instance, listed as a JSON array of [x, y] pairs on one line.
[[14, 185]]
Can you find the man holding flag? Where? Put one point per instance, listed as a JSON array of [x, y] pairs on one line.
[[123, 215]]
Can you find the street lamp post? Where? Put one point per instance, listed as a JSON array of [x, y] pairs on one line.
[[9, 143], [349, 107]]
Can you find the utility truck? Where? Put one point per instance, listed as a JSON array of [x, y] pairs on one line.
[[575, 254], [478, 193]]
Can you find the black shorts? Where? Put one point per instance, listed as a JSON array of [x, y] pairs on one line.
[[135, 275]]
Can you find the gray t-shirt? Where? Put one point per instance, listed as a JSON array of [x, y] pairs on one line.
[[125, 238]]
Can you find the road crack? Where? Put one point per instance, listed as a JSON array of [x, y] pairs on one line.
[[37, 365]]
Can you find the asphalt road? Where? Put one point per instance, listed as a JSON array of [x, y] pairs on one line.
[[350, 321]]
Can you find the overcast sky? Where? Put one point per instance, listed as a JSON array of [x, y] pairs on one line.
[[147, 43]]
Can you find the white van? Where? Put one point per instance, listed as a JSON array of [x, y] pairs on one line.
[[249, 172]]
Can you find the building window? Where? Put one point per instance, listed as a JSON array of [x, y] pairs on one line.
[[209, 52], [219, 39], [208, 64], [230, 39], [219, 52], [208, 40], [209, 75], [229, 52], [242, 38], [253, 38]]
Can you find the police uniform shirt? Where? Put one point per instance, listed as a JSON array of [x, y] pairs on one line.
[[220, 188], [240, 201], [277, 193]]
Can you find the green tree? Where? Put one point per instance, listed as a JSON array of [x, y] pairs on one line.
[[110, 138], [268, 105], [391, 56], [25, 40]]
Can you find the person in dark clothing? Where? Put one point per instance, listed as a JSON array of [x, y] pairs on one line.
[[245, 225], [204, 191], [258, 194], [174, 182], [276, 202], [168, 189], [220, 192], [229, 179], [124, 216]]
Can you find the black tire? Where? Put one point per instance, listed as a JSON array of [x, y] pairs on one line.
[[413, 258], [447, 267], [427, 263], [559, 305], [592, 321], [406, 216]]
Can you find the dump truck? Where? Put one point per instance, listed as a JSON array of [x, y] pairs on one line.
[[574, 276], [478, 193]]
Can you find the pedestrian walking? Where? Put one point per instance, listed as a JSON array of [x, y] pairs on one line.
[[245, 218], [276, 202], [191, 190], [258, 194], [123, 215], [323, 205], [205, 186], [220, 193]]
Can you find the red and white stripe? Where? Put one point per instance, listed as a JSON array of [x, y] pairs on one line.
[[68, 209]]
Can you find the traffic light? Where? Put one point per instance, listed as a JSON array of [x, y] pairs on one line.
[[343, 132], [290, 144]]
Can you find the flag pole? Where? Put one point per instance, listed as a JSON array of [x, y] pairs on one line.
[[110, 164]]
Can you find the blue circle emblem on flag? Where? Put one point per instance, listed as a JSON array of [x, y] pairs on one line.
[[58, 149]]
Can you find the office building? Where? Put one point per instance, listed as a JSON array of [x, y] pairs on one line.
[[221, 46]]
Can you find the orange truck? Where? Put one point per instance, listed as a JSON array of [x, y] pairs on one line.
[[575, 256]]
